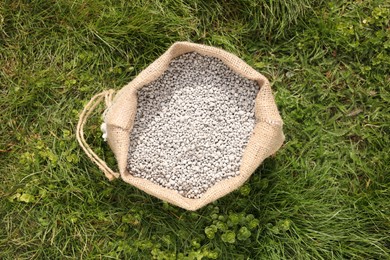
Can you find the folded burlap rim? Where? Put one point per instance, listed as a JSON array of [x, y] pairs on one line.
[[267, 136]]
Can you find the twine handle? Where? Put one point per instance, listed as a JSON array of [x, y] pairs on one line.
[[108, 96]]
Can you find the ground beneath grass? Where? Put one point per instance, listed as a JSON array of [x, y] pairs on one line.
[[325, 195]]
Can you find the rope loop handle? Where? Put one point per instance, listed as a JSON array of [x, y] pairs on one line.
[[108, 96]]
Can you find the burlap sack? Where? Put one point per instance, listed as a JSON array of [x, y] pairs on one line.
[[266, 139]]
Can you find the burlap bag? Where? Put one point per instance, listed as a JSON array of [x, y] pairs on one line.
[[266, 139]]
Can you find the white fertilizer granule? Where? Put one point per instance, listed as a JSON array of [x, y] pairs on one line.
[[192, 125]]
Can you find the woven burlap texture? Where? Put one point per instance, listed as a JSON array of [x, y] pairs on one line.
[[266, 139]]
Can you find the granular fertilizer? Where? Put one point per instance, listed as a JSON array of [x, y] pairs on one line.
[[192, 125], [190, 128]]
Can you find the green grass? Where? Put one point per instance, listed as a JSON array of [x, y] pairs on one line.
[[325, 195]]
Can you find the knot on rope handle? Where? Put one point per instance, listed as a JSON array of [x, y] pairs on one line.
[[108, 96]]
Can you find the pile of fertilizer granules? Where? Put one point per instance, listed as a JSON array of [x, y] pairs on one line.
[[192, 125]]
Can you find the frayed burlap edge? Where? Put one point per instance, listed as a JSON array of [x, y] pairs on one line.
[[266, 139]]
